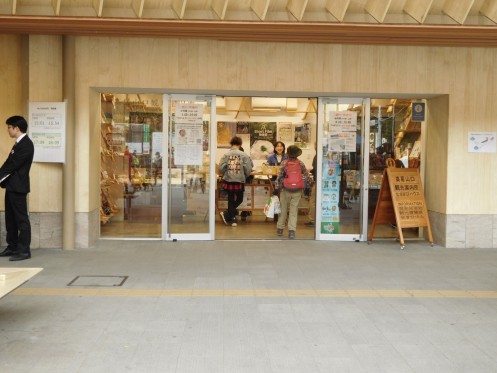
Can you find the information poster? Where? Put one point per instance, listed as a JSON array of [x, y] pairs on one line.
[[330, 213], [157, 143], [47, 130], [225, 132], [285, 133], [189, 113], [189, 133], [342, 131], [482, 142], [262, 138], [302, 135], [243, 132]]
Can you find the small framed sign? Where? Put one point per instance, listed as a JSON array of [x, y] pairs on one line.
[[418, 111]]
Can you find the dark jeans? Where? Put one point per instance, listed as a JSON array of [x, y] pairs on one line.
[[235, 198]]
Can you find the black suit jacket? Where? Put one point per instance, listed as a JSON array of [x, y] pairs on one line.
[[17, 166]]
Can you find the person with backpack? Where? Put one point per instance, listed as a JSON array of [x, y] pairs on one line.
[[293, 179], [235, 166]]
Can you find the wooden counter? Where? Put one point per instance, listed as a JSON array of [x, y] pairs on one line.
[[255, 196]]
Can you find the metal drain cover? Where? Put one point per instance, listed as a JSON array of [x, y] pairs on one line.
[[105, 281]]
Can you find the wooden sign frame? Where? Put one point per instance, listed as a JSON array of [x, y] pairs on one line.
[[401, 202]]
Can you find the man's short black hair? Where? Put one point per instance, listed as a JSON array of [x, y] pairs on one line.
[[19, 122]]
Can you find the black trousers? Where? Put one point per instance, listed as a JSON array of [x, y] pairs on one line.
[[235, 198], [17, 222]]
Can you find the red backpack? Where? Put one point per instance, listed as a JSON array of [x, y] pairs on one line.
[[294, 180]]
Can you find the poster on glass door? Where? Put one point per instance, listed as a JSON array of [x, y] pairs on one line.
[[188, 134], [330, 213], [342, 131]]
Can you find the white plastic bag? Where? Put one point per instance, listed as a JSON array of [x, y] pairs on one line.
[[272, 207], [269, 208], [277, 204]]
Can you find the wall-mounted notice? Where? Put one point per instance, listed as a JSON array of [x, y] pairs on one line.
[[482, 142], [47, 130]]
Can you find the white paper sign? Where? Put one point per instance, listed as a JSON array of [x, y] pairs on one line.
[[343, 121], [482, 142], [47, 130], [342, 142], [342, 127], [189, 113]]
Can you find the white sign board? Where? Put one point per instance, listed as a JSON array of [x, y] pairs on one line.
[[47, 130], [188, 134], [342, 127], [482, 142]]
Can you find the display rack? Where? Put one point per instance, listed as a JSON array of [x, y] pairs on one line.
[[113, 167]]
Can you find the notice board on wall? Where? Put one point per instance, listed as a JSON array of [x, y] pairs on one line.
[[47, 130], [401, 201]]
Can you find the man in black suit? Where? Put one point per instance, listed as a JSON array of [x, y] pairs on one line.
[[14, 177]]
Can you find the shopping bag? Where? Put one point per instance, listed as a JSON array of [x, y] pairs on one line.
[[277, 204], [269, 208]]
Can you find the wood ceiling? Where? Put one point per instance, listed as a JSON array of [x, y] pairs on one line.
[[399, 22]]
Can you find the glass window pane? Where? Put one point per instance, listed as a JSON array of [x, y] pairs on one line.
[[131, 166]]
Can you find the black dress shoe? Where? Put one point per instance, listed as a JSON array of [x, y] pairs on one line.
[[8, 252], [17, 257]]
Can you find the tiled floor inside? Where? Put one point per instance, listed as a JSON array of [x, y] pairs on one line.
[[253, 306]]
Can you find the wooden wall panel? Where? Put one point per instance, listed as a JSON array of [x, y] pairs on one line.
[[45, 84], [473, 109], [435, 181], [463, 74], [10, 94]]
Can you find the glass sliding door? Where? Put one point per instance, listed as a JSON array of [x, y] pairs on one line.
[[189, 193], [341, 197]]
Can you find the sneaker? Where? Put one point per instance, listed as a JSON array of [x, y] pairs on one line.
[[310, 224], [223, 216], [279, 232], [234, 222], [291, 235]]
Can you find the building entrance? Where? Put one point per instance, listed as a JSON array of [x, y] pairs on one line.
[[160, 157]]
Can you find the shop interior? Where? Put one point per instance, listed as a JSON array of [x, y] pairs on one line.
[[132, 159]]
